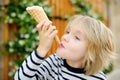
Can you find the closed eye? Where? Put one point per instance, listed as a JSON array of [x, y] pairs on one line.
[[76, 37], [67, 32]]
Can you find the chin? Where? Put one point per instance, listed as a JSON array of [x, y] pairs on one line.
[[60, 54]]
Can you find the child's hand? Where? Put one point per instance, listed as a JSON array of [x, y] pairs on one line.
[[47, 33]]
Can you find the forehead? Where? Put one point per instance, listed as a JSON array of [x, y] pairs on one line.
[[75, 24]]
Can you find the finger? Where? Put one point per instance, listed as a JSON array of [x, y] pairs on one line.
[[39, 26], [51, 29], [53, 34], [46, 25]]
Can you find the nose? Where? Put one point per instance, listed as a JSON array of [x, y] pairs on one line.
[[65, 38]]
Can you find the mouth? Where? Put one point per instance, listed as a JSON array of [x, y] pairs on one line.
[[61, 46]]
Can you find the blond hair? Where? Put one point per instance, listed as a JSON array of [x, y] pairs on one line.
[[100, 44]]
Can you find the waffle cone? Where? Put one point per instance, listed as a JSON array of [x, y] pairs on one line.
[[38, 14]]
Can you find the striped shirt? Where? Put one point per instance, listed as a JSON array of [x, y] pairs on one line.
[[52, 68]]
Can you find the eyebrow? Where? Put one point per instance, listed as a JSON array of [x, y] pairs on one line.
[[68, 28], [78, 32]]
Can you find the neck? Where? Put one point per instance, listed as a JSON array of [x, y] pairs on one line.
[[74, 64]]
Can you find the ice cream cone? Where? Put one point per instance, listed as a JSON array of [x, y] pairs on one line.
[[38, 14]]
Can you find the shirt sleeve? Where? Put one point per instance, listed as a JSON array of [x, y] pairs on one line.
[[29, 67]]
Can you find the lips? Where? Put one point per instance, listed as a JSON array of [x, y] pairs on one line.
[[61, 46]]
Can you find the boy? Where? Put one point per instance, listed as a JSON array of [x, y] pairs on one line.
[[86, 47]]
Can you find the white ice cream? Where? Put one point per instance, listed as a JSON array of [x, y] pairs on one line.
[[33, 7]]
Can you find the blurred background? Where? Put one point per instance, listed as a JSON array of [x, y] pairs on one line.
[[18, 35]]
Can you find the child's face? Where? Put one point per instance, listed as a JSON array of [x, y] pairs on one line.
[[73, 43]]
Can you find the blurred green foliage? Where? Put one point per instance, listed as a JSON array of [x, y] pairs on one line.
[[26, 36], [85, 8], [109, 69]]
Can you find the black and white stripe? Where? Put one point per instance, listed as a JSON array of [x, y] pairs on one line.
[[52, 68]]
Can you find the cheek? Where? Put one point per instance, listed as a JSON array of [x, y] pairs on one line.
[[80, 50]]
